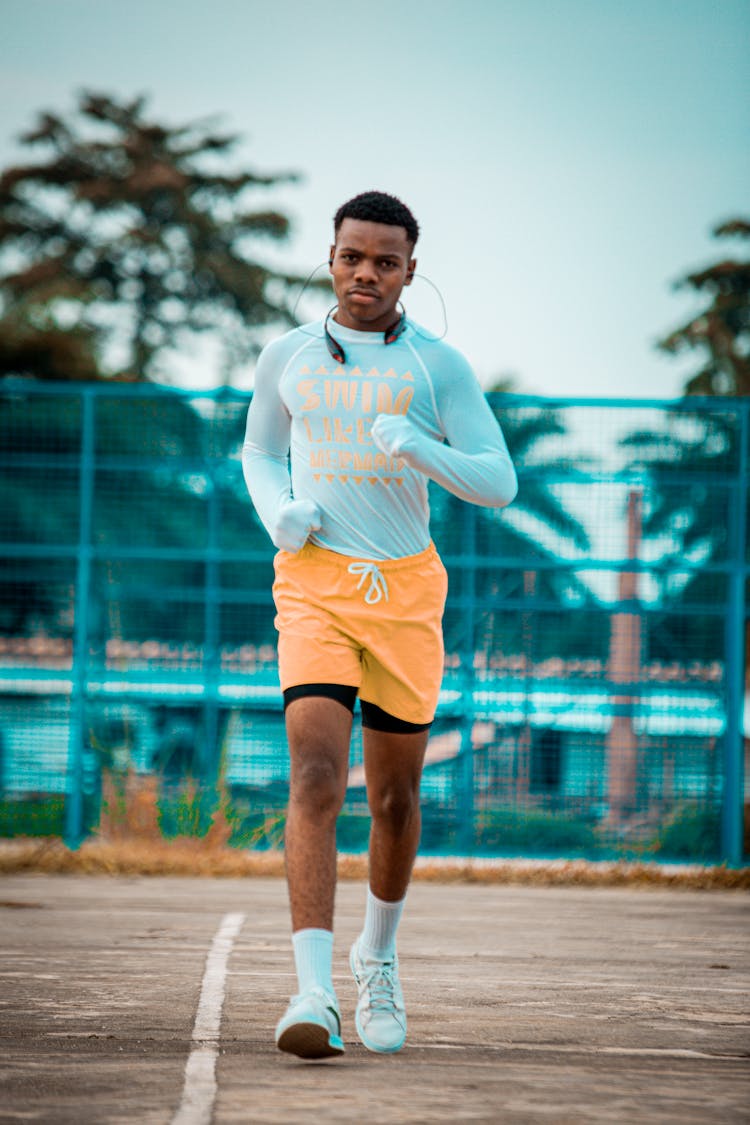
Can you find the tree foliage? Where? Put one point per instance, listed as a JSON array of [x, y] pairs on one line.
[[689, 522], [690, 515], [460, 529], [721, 332], [129, 238], [160, 465]]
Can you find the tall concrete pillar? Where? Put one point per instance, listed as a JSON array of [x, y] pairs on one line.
[[624, 668]]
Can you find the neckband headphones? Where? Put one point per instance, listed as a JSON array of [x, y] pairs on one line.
[[390, 335]]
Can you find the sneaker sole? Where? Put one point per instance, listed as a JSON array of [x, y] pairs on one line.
[[309, 1041]]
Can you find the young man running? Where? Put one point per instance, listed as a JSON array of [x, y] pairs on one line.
[[366, 408]]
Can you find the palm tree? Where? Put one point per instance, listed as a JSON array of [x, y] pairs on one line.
[[515, 555], [692, 462], [722, 330], [688, 516]]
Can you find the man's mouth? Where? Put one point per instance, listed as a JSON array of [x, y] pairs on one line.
[[364, 294]]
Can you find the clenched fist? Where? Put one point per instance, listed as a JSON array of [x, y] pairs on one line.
[[295, 520], [392, 434]]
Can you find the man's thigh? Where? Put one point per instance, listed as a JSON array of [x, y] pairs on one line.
[[319, 733]]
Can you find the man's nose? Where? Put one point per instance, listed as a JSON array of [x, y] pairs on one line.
[[366, 271]]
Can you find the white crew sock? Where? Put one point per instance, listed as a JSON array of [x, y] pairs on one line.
[[313, 958], [378, 939]]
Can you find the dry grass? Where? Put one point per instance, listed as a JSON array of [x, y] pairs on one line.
[[130, 843], [188, 856], [182, 856], [583, 873]]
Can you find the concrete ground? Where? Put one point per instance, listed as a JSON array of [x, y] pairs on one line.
[[525, 1004]]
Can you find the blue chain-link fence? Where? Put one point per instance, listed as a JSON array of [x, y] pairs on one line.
[[592, 702]]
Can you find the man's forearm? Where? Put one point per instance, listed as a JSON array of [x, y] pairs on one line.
[[487, 477], [287, 521]]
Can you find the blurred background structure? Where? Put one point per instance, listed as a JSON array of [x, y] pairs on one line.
[[568, 163]]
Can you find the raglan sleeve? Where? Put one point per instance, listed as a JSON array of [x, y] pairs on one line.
[[473, 462], [265, 459]]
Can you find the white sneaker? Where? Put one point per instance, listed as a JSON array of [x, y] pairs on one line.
[[381, 1016], [311, 1026]]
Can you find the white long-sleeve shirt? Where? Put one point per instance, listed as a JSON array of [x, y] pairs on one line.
[[363, 437]]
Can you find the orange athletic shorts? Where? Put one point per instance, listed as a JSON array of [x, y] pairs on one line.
[[373, 625]]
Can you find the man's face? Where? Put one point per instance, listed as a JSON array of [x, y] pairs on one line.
[[371, 264]]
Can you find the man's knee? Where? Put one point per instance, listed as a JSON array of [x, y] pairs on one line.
[[317, 785], [395, 806]]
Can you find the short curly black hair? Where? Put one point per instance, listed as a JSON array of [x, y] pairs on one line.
[[378, 207]]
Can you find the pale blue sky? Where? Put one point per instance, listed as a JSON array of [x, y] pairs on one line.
[[566, 160]]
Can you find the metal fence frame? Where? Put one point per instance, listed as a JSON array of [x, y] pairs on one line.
[[84, 553]]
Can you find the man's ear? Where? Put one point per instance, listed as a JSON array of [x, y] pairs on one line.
[[410, 271], [331, 252]]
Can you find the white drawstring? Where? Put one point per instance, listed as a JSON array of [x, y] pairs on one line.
[[378, 587]]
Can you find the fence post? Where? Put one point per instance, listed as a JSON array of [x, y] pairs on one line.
[[732, 811], [466, 753], [211, 638], [77, 730]]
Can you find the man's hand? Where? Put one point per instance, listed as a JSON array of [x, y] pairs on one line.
[[295, 521], [392, 434]]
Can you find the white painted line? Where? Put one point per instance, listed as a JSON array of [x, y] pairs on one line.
[[199, 1091]]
